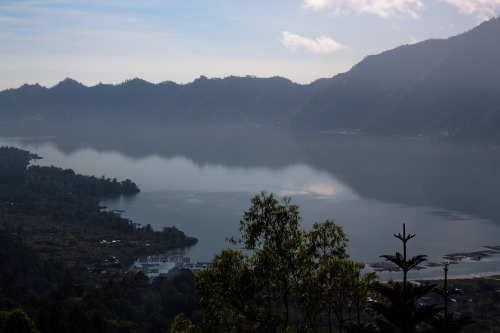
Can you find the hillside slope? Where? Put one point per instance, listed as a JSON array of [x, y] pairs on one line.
[[450, 85]]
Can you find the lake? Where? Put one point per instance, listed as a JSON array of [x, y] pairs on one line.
[[201, 179]]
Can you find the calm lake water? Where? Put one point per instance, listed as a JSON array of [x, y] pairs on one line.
[[201, 180]]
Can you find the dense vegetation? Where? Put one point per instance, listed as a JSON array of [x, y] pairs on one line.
[[290, 280], [52, 254], [293, 280], [446, 88], [54, 267]]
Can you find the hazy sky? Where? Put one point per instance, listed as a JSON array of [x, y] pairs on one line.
[[110, 41]]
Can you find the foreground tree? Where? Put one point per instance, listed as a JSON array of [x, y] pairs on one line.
[[182, 324], [16, 321], [285, 278], [398, 305]]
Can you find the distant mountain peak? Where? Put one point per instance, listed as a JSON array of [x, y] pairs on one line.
[[136, 80], [68, 82]]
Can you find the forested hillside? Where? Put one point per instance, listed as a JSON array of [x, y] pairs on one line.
[[449, 86], [55, 265]]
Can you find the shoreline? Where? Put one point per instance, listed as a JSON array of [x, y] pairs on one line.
[[462, 276]]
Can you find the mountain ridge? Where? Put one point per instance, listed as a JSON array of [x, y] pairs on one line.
[[448, 86], [434, 85]]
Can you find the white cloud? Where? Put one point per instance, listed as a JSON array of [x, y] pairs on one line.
[[321, 45], [481, 8], [323, 189], [414, 40], [382, 8]]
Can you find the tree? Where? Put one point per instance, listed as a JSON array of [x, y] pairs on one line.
[[284, 278], [182, 324], [271, 231], [398, 308], [229, 295], [446, 322], [16, 321], [400, 260], [331, 286]]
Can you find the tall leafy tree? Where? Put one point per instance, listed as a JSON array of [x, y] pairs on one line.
[[331, 286], [284, 278]]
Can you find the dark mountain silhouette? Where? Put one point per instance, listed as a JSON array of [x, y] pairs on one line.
[[446, 87], [272, 101], [450, 85]]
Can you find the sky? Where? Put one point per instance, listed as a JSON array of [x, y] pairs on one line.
[[111, 41]]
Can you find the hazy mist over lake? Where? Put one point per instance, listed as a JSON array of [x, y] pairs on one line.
[[201, 179]]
